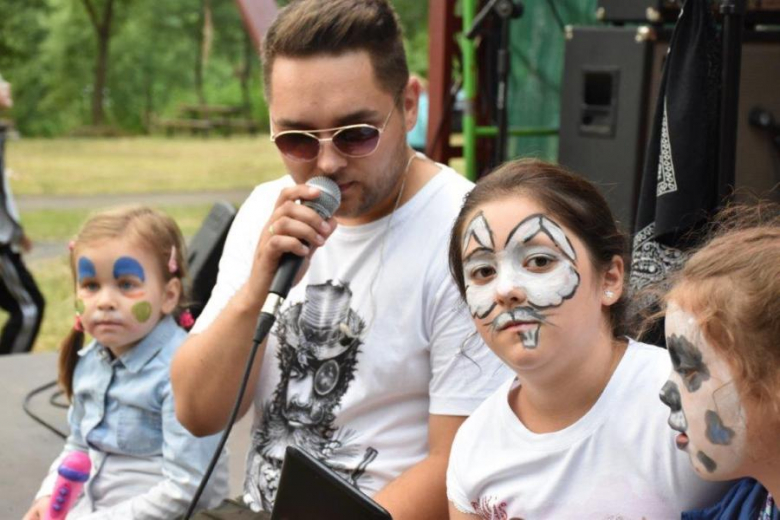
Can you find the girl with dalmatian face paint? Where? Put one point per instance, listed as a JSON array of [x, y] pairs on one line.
[[128, 268], [722, 336], [706, 407], [578, 433]]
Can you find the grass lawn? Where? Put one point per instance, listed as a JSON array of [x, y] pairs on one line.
[[61, 225], [139, 165], [55, 282]]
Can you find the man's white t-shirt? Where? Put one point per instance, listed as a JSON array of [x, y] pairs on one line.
[[619, 461], [371, 341]]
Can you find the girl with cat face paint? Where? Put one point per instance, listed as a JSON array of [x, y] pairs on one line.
[[577, 433], [722, 333]]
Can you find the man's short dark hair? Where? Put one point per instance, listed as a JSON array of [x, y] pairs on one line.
[[308, 28]]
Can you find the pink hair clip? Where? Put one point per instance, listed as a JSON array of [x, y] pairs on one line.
[[173, 265], [77, 325], [186, 321]]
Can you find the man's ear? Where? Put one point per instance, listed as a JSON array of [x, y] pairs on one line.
[[411, 97], [171, 295], [612, 284]]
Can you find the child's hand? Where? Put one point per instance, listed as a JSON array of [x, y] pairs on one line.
[[38, 509]]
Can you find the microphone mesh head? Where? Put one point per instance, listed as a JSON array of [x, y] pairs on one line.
[[330, 196]]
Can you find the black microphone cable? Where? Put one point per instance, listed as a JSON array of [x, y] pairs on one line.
[[264, 324], [28, 411], [325, 205]]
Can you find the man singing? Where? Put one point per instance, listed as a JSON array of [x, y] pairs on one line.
[[373, 362]]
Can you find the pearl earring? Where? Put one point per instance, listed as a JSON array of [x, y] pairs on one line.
[[609, 294]]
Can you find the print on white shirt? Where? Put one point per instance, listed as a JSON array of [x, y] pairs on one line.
[[319, 340]]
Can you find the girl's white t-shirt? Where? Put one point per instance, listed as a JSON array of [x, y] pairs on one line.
[[619, 461]]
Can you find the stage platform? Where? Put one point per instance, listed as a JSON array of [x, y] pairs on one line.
[[27, 448]]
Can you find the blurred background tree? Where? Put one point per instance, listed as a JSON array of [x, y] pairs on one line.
[[108, 67]]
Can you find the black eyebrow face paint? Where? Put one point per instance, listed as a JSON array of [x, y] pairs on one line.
[[538, 223], [687, 361], [717, 432], [707, 462], [478, 229]]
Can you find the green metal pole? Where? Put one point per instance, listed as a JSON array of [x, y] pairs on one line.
[[470, 89], [492, 131]]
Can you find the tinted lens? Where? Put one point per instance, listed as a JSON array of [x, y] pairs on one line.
[[357, 141], [298, 146]]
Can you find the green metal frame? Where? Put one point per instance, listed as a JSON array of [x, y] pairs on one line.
[[470, 74]]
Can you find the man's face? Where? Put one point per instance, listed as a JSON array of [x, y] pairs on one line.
[[6, 101], [705, 405], [322, 92]]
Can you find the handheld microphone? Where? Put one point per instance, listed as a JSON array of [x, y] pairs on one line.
[[325, 205], [73, 472]]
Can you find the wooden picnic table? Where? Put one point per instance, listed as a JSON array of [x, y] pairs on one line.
[[203, 119]]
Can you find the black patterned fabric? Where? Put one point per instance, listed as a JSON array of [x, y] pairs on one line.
[[679, 185]]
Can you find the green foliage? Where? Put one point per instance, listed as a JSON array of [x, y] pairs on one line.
[[48, 50]]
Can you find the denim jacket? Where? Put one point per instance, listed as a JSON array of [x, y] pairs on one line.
[[145, 464]]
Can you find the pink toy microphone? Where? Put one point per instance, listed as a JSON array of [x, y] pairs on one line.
[[73, 472]]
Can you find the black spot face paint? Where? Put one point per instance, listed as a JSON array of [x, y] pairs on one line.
[[687, 361], [707, 462], [670, 396], [717, 432]]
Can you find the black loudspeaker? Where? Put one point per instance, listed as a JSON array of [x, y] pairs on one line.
[[610, 86], [660, 11], [205, 250], [604, 117], [637, 10]]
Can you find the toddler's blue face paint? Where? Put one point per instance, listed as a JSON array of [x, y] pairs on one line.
[[85, 268], [126, 266]]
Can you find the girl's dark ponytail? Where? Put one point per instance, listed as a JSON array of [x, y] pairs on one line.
[[69, 356]]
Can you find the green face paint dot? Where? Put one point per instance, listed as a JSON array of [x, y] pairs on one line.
[[142, 311], [80, 306]]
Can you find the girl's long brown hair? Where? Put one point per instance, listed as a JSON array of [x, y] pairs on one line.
[[143, 226]]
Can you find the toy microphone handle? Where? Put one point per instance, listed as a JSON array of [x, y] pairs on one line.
[[73, 473]]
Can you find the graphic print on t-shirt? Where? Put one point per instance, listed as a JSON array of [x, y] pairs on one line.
[[490, 508], [319, 340]]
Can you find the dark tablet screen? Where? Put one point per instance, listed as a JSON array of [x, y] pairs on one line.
[[309, 489]]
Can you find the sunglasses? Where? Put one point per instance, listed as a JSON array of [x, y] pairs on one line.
[[351, 140]]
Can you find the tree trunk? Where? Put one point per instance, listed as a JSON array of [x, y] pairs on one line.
[[101, 76], [246, 75], [102, 26], [201, 54]]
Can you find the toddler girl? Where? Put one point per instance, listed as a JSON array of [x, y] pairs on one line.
[[128, 266], [722, 333]]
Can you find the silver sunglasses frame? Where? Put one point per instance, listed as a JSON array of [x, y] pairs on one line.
[[336, 131]]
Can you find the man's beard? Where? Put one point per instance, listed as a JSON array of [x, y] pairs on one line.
[[387, 185]]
